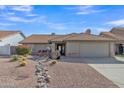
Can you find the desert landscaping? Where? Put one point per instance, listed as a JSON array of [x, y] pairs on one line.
[[63, 75]]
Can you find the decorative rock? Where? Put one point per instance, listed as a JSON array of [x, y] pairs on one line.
[[42, 73]]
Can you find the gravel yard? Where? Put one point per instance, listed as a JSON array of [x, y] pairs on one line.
[[63, 75], [77, 75], [12, 76]]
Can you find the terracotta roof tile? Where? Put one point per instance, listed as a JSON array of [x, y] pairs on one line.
[[115, 33], [89, 37], [117, 30], [64, 37], [39, 38], [59, 38]]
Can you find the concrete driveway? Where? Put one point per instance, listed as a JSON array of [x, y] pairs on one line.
[[111, 68]]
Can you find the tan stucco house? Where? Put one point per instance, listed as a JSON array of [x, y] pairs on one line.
[[74, 45]]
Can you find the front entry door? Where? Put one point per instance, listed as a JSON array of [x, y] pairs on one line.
[[120, 49], [61, 48]]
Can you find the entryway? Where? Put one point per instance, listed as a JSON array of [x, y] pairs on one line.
[[61, 48], [119, 49]]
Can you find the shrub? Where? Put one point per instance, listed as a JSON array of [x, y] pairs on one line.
[[14, 58], [53, 62], [23, 60], [23, 50]]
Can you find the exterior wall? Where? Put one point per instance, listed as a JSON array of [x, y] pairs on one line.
[[112, 49], [12, 40], [72, 49], [90, 49]]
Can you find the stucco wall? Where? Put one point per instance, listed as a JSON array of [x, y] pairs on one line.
[[112, 49], [72, 49]]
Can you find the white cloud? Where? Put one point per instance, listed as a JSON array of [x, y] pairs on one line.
[[25, 20], [116, 22], [85, 9], [22, 8], [31, 15], [6, 24], [28, 17]]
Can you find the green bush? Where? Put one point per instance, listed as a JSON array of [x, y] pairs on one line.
[[23, 51], [14, 58]]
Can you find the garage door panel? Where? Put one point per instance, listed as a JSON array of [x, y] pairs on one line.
[[94, 49]]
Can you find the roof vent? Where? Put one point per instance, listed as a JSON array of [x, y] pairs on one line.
[[88, 31], [53, 34]]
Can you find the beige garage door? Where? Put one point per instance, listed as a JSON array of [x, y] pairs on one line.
[[94, 49]]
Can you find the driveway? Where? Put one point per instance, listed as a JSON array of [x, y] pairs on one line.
[[111, 68]]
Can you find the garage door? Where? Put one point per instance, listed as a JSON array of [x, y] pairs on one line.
[[94, 49], [5, 50], [36, 48]]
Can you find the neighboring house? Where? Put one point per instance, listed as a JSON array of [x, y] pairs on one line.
[[117, 34], [75, 45], [9, 39]]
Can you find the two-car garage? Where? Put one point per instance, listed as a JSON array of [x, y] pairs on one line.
[[89, 49], [94, 49]]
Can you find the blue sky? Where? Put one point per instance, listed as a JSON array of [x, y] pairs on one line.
[[41, 19]]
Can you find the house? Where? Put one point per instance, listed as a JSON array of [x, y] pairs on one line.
[[9, 39], [74, 45], [118, 34], [38, 42]]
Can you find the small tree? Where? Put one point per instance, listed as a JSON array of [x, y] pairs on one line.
[[23, 50]]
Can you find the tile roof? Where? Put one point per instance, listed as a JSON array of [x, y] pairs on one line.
[[64, 37], [4, 34], [60, 38], [88, 37], [117, 30], [39, 38], [115, 33]]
